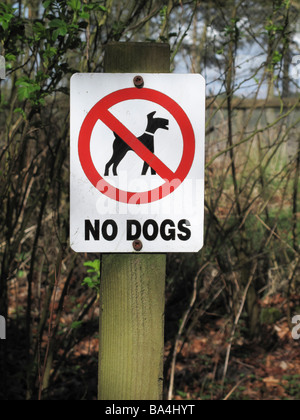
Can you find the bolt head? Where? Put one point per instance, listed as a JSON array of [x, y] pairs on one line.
[[138, 82], [137, 245]]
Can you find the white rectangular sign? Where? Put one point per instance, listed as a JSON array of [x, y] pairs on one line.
[[137, 163]]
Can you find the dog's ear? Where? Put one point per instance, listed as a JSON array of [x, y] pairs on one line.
[[150, 116]]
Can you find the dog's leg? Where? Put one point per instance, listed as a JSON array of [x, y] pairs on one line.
[[111, 161], [145, 168], [119, 151], [153, 172], [115, 167], [108, 165], [118, 158]]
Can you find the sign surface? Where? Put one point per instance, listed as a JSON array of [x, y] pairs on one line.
[[137, 163]]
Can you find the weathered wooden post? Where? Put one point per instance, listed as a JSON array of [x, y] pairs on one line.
[[132, 216], [132, 295]]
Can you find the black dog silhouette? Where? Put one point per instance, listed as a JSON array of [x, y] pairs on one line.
[[120, 147]]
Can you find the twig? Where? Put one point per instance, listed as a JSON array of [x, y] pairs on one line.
[[42, 374], [237, 321], [234, 388], [276, 235], [184, 321], [246, 139], [28, 233], [203, 311]]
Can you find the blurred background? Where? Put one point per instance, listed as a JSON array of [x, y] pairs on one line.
[[230, 308]]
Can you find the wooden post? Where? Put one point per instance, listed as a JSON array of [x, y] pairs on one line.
[[132, 293]]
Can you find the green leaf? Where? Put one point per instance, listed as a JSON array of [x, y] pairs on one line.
[[95, 7], [21, 274], [50, 52], [10, 57], [47, 3], [92, 281], [75, 325], [163, 11], [181, 393], [102, 8], [93, 264], [277, 57], [6, 15], [59, 24], [20, 111], [27, 89], [59, 32], [84, 15], [39, 30], [75, 5]]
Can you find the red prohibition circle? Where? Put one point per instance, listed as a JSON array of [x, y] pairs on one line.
[[101, 112]]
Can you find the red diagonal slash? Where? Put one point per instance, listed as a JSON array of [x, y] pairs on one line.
[[136, 145], [101, 112]]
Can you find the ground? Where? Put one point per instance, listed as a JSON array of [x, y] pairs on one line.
[[261, 368]]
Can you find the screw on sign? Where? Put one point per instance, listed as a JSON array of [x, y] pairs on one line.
[[148, 200], [138, 82], [137, 245]]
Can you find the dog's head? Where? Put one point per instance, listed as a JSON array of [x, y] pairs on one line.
[[156, 123]]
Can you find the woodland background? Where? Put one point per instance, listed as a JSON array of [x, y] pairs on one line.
[[229, 309]]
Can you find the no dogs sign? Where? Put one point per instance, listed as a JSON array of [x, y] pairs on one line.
[[137, 163]]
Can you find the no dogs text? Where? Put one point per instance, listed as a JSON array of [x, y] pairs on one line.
[[150, 230]]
